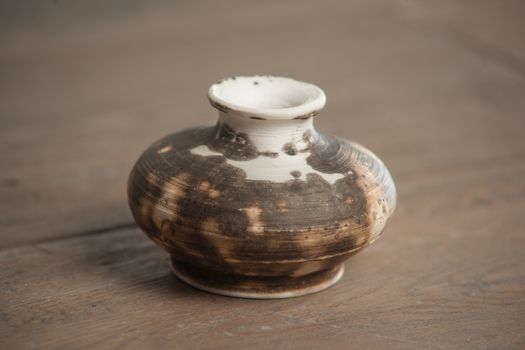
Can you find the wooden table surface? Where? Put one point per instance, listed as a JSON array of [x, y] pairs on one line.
[[435, 88]]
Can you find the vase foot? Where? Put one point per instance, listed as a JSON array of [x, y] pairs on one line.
[[254, 287]]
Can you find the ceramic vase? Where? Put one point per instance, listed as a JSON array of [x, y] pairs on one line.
[[261, 204]]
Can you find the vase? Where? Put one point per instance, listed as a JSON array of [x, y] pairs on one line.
[[260, 204]]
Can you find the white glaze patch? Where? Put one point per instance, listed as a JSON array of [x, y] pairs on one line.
[[272, 169], [164, 149]]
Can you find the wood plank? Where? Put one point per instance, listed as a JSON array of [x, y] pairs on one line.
[[448, 273], [82, 95], [493, 27]]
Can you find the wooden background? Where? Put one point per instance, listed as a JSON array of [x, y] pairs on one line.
[[435, 88]]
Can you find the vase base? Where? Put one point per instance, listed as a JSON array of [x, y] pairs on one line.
[[254, 287]]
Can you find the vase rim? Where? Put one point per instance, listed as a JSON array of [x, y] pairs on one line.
[[267, 97]]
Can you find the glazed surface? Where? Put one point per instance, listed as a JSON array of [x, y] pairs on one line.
[[216, 201]]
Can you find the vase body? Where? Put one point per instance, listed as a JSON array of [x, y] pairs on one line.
[[260, 204]]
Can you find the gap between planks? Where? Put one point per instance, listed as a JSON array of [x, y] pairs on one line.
[[94, 232]]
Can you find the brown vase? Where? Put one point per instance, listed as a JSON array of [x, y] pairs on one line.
[[260, 204]]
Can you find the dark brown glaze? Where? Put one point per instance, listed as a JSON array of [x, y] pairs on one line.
[[216, 222], [290, 149], [255, 286], [232, 144], [235, 145], [219, 106], [307, 116]]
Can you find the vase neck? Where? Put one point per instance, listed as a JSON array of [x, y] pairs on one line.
[[284, 135], [274, 114]]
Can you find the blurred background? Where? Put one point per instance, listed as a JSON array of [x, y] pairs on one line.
[[433, 87]]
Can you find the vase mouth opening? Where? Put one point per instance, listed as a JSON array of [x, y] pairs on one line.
[[267, 97]]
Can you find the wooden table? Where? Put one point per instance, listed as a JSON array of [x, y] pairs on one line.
[[435, 88]]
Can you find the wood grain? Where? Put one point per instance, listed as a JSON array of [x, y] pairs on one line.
[[435, 88], [447, 282]]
